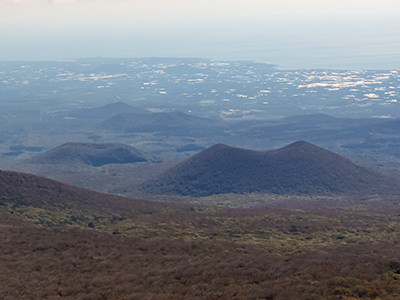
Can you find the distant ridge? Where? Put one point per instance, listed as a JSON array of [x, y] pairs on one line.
[[102, 112], [299, 168], [319, 118], [92, 154], [170, 122]]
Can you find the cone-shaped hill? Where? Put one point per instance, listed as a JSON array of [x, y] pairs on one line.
[[92, 154], [299, 168]]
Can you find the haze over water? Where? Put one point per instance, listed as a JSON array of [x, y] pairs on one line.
[[350, 34]]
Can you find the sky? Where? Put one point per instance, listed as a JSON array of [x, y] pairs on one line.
[[358, 34]]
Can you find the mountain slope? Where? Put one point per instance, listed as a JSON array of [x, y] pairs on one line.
[[299, 168], [30, 190], [103, 247], [92, 154]]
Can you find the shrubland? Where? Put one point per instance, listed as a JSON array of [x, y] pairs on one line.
[[289, 248]]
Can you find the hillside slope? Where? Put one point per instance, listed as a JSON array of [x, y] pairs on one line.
[[63, 242], [299, 168], [20, 189]]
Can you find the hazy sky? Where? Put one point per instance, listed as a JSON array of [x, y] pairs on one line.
[[290, 33]]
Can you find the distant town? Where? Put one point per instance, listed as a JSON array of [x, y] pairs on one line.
[[225, 89]]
